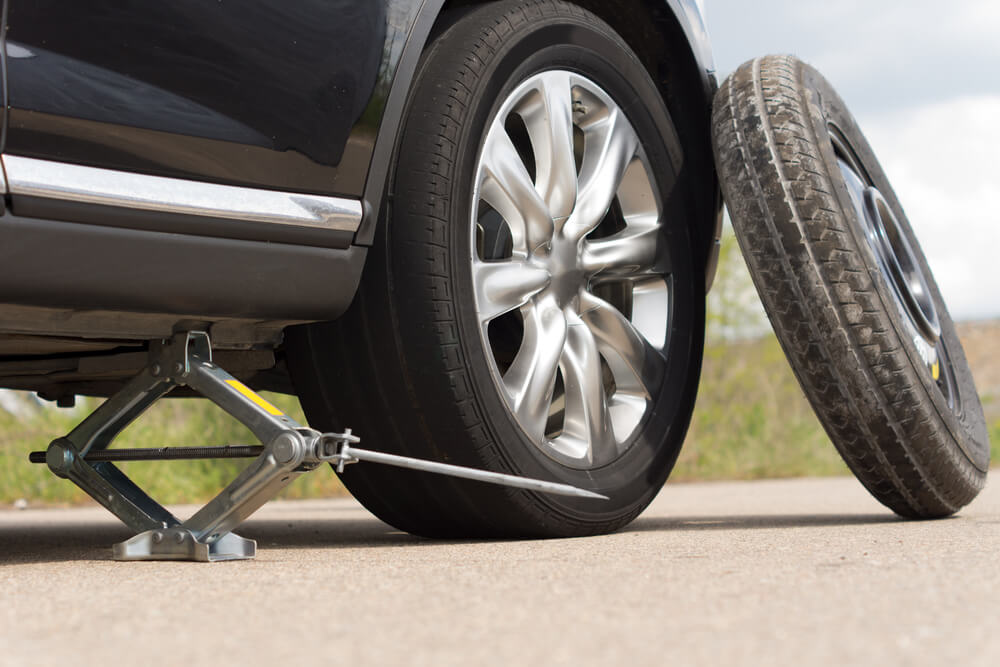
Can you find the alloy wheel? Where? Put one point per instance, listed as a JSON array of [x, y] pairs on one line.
[[571, 268]]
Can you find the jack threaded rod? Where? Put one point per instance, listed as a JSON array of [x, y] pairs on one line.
[[166, 453]]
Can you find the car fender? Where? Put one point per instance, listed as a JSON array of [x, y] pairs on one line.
[[685, 13]]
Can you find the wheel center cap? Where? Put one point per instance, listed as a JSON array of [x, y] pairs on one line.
[[562, 261]]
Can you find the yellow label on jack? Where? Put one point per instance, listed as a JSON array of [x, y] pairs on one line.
[[936, 370], [255, 398]]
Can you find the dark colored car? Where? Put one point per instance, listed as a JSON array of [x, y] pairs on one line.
[[478, 233]]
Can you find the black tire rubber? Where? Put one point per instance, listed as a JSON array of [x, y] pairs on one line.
[[830, 304], [405, 366]]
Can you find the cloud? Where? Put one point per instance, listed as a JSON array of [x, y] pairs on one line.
[[942, 160], [921, 77], [877, 54]]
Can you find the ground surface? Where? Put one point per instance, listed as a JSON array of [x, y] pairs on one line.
[[786, 572]]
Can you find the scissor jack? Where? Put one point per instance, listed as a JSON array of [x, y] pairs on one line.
[[288, 450]]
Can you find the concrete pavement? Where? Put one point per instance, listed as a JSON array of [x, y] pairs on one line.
[[776, 572]]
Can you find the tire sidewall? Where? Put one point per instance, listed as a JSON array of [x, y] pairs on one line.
[[967, 428], [632, 479]]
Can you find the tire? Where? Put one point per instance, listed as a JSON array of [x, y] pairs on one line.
[[848, 290], [417, 365]]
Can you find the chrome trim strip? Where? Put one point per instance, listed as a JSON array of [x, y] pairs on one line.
[[107, 187]]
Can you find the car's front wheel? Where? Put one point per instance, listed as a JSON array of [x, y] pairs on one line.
[[532, 305]]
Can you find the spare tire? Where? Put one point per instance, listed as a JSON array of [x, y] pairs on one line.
[[848, 290]]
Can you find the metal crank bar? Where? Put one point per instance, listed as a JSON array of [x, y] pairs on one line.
[[166, 453], [289, 450]]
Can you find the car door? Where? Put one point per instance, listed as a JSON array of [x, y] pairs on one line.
[[253, 93]]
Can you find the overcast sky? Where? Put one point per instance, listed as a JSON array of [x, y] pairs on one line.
[[923, 79]]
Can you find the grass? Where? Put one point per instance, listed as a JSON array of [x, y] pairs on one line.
[[173, 422], [991, 406], [751, 421]]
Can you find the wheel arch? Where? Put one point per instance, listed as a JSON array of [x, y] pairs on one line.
[[671, 41]]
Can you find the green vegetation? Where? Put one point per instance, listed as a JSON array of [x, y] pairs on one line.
[[995, 441], [751, 420], [174, 422], [991, 406]]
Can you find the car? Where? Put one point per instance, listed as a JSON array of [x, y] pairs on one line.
[[479, 233]]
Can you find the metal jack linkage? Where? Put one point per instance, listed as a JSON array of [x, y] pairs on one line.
[[289, 450]]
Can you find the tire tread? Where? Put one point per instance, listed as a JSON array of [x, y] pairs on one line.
[[422, 336], [823, 304]]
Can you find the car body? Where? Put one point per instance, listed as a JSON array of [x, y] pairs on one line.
[[223, 166]]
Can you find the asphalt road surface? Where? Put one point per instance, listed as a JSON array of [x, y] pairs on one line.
[[785, 572]]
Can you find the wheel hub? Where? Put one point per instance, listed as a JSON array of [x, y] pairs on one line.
[[567, 276], [564, 205], [895, 253], [899, 265]]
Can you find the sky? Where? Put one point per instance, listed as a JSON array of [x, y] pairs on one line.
[[923, 80]]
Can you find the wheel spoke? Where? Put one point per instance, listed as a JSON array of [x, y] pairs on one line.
[[610, 146], [531, 377], [636, 365], [503, 286], [627, 253], [531, 255], [587, 421], [549, 120], [507, 187]]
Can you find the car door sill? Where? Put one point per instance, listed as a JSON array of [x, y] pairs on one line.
[[78, 193]]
